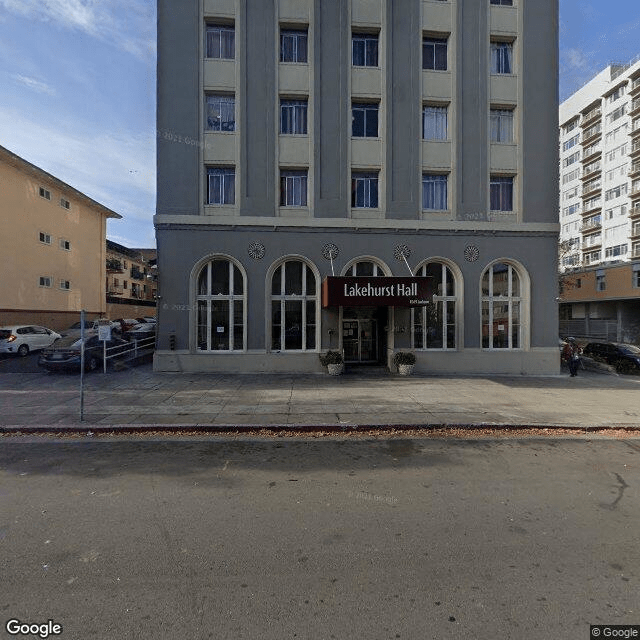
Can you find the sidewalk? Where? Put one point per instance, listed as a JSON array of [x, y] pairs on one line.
[[138, 396]]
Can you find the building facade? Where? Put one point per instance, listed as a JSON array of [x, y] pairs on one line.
[[52, 246], [600, 206], [302, 141], [132, 280], [600, 170]]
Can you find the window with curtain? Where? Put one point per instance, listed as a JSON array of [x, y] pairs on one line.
[[364, 190], [501, 307], [364, 120], [293, 188], [434, 122], [364, 50], [221, 185], [434, 191], [294, 300], [501, 125], [293, 116], [220, 112], [434, 54], [220, 299], [501, 57], [434, 325], [293, 46], [501, 193], [220, 41]]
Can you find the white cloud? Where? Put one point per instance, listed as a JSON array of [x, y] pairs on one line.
[[128, 24], [36, 85]]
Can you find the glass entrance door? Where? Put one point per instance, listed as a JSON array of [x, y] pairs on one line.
[[360, 340]]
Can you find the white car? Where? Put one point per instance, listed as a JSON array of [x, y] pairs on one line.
[[22, 339]]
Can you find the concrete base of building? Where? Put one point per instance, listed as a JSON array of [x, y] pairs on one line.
[[541, 361]]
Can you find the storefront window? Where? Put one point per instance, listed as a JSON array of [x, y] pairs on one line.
[[434, 325], [293, 307], [501, 307], [220, 307]]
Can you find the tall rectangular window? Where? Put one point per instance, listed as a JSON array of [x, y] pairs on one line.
[[434, 191], [221, 185], [501, 193], [293, 116], [434, 54], [364, 50], [364, 119], [293, 46], [501, 125], [221, 41], [501, 57], [293, 188], [220, 112], [434, 122], [364, 190]]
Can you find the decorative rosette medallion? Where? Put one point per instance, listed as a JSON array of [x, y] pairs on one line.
[[471, 253], [256, 250], [330, 251]]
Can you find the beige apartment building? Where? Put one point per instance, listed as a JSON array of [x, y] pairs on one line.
[[52, 246], [131, 281]]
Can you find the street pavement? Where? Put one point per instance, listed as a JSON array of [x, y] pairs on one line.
[[342, 537], [138, 396]]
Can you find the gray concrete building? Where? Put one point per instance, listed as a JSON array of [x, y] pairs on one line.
[[320, 161]]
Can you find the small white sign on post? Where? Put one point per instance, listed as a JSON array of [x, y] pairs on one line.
[[104, 332]]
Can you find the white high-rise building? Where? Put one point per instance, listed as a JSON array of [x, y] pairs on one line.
[[600, 170]]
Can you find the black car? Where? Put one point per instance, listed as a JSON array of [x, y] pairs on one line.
[[624, 357], [64, 353]]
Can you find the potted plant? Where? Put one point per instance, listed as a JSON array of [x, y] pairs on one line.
[[404, 361], [334, 362]]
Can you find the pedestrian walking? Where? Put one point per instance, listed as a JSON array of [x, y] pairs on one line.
[[571, 354]]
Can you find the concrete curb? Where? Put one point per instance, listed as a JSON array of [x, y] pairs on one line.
[[91, 429]]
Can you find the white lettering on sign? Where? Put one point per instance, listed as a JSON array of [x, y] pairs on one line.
[[369, 291]]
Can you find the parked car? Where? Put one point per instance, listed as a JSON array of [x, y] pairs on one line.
[[140, 331], [624, 357], [65, 354], [21, 339], [89, 325], [126, 323], [150, 319]]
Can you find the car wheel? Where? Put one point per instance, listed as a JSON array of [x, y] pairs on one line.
[[23, 350], [622, 366], [91, 364]]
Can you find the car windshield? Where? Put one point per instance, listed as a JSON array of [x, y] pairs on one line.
[[630, 349], [4, 333], [68, 342]]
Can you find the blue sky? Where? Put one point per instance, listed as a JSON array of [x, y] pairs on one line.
[[77, 90]]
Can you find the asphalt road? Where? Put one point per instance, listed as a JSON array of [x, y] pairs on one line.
[[320, 538], [10, 363]]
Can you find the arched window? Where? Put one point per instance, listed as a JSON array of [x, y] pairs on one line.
[[220, 298], [294, 305], [365, 268], [434, 325], [502, 299]]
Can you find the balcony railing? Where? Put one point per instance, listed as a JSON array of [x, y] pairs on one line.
[[591, 168], [590, 151], [594, 113], [115, 290], [635, 106]]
